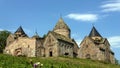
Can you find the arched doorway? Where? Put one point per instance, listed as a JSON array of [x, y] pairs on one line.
[[50, 52], [88, 56]]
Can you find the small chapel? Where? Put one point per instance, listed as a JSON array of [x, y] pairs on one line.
[[95, 47], [58, 42]]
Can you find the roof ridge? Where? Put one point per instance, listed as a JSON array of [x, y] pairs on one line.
[[61, 37]]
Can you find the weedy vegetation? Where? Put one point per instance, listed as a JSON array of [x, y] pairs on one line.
[[7, 61]]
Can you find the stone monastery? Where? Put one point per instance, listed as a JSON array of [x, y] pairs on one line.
[[58, 42]]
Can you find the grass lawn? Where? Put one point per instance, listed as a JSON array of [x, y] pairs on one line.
[[7, 61]]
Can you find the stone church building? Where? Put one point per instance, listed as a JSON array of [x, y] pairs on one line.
[[96, 47], [58, 42]]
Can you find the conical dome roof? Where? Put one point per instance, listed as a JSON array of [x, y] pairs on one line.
[[61, 25], [20, 31], [94, 33]]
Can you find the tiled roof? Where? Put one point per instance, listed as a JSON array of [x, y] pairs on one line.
[[61, 37]]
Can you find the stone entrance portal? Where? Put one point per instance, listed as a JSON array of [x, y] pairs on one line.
[[50, 54]]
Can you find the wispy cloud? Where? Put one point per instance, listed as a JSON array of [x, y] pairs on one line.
[[111, 6], [83, 17], [114, 41]]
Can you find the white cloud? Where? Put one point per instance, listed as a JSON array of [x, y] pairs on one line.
[[114, 41], [111, 5], [83, 17]]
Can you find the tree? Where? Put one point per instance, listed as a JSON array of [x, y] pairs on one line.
[[3, 37]]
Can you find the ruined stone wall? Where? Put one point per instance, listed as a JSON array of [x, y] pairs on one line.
[[40, 50], [85, 49], [22, 46], [75, 49], [90, 51], [65, 49], [100, 55], [96, 51], [51, 48], [10, 39], [112, 58], [50, 45], [51, 51]]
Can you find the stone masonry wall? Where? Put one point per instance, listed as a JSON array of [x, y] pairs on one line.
[[25, 46]]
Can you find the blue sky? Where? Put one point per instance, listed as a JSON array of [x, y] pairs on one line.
[[79, 15]]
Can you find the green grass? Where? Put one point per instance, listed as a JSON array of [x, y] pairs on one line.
[[7, 61]]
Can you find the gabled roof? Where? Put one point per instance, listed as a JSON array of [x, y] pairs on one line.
[[20, 30], [61, 24], [94, 32], [61, 37]]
